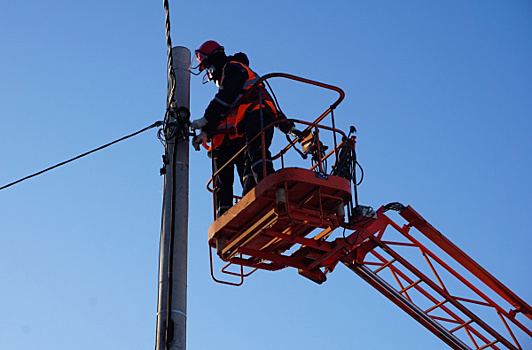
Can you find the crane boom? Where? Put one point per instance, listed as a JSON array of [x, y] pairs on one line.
[[436, 282]]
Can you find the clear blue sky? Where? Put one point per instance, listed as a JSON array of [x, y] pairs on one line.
[[441, 95]]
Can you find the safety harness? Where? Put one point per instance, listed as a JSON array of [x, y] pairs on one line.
[[229, 124]]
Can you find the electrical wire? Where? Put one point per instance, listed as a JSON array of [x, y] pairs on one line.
[[170, 131], [272, 93], [347, 164], [346, 161], [396, 206], [171, 73], [154, 125], [346, 239]]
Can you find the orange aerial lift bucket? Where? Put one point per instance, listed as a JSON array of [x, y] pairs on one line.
[[289, 218], [292, 208], [276, 215]]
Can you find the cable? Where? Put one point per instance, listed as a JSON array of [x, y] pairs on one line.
[[347, 240], [346, 162], [170, 131], [171, 73], [274, 97], [396, 206], [154, 125], [169, 331]]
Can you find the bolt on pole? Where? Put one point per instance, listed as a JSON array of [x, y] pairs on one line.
[[172, 295]]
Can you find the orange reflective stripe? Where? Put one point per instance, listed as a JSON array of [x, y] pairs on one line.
[[226, 127], [217, 141], [269, 103], [228, 123], [241, 112], [231, 121], [252, 79], [272, 106]]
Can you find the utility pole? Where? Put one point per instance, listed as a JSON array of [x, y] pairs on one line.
[[172, 296]]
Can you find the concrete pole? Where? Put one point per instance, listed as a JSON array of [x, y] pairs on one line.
[[172, 297]]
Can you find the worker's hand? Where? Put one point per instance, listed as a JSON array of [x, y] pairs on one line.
[[198, 140], [294, 132], [198, 123]]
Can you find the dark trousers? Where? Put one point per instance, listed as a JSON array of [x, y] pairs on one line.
[[255, 122], [223, 182]]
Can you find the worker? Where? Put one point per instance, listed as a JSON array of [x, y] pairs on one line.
[[233, 77], [225, 141]]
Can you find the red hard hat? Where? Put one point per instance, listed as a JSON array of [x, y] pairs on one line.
[[207, 48]]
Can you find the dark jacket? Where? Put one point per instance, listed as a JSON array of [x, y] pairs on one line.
[[230, 84]]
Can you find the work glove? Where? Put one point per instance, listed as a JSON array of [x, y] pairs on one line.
[[198, 123], [198, 140], [294, 132], [288, 127]]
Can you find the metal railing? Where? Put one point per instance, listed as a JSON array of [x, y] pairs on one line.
[[309, 127]]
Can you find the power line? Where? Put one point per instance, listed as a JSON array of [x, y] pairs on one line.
[[171, 73], [154, 125]]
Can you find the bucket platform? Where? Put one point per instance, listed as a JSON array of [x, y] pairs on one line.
[[263, 230]]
